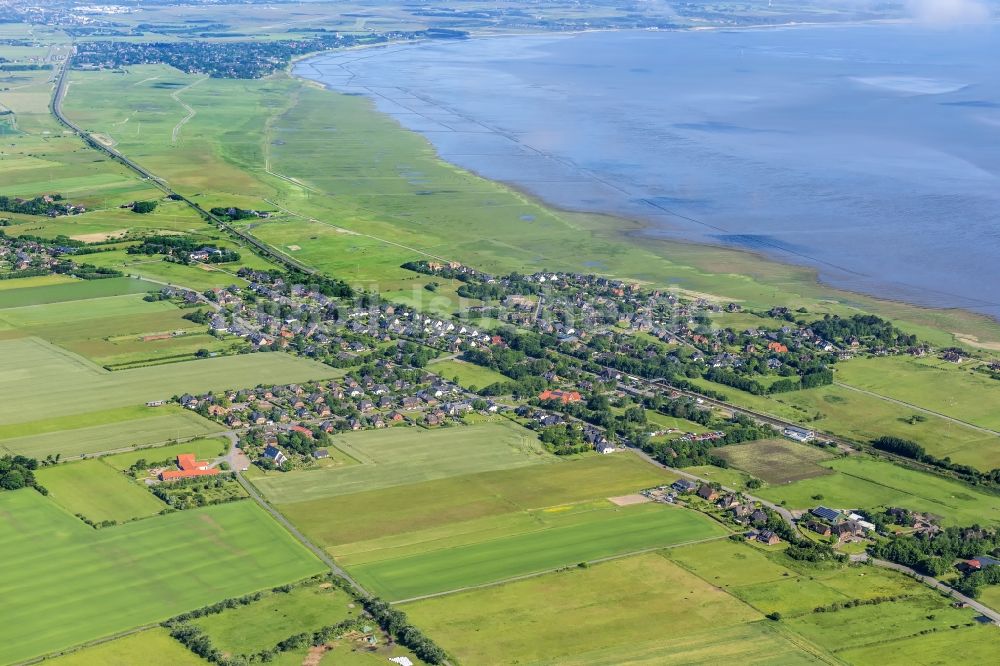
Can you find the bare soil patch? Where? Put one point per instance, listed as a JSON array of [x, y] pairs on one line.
[[628, 500], [99, 237]]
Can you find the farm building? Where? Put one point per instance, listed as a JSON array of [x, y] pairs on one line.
[[826, 513], [188, 467], [799, 434], [565, 396]]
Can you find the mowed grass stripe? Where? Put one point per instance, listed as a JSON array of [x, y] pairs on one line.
[[614, 532], [65, 583]]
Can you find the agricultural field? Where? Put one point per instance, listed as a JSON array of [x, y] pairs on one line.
[[972, 645], [776, 461], [446, 508], [153, 647], [109, 430], [564, 540], [467, 374], [610, 609], [262, 624], [98, 492], [399, 456], [45, 381], [728, 477], [98, 582], [931, 383], [861, 482], [116, 331], [842, 411], [25, 292]]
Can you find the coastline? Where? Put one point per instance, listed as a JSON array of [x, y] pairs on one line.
[[962, 326]]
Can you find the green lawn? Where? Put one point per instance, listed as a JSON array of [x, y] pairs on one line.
[[400, 456], [98, 582], [153, 647], [261, 625], [97, 491], [641, 609], [44, 381], [860, 482], [581, 537], [468, 374]]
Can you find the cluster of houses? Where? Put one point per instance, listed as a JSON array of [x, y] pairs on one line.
[[20, 255], [845, 525]]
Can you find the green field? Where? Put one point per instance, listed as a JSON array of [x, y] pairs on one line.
[[153, 647], [610, 613], [931, 383], [467, 374], [860, 482], [152, 428], [203, 449], [967, 645], [854, 415], [580, 537], [261, 625], [776, 461], [44, 381], [388, 517], [730, 478], [397, 456], [36, 292], [97, 491], [98, 582]]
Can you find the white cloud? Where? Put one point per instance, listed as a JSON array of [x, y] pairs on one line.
[[949, 12]]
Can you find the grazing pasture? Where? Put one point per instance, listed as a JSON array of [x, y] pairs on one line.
[[98, 492], [400, 456], [643, 608], [580, 537], [776, 461], [98, 582], [861, 482], [153, 647], [40, 380]]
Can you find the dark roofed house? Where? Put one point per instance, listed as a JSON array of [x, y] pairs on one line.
[[707, 492], [768, 537], [826, 513], [274, 454], [321, 453], [684, 486]]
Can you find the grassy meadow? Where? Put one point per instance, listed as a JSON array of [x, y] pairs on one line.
[[153, 647], [609, 610], [98, 582], [776, 461], [861, 482], [261, 625], [203, 449], [854, 415], [467, 374], [98, 492]]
